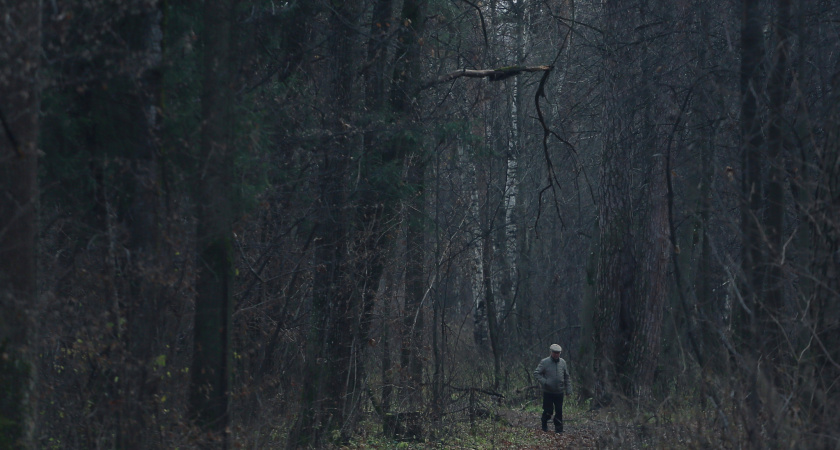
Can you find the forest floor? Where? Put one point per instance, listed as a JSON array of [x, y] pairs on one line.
[[519, 428], [580, 430]]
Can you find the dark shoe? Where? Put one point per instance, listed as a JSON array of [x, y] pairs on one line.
[[545, 426]]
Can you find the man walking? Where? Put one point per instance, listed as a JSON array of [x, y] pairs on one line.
[[553, 376]]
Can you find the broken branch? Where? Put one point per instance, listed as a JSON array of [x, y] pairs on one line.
[[490, 74]]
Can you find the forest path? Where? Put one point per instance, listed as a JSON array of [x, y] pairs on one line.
[[580, 430]]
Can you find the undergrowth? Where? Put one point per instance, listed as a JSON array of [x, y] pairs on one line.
[[494, 430], [485, 433]]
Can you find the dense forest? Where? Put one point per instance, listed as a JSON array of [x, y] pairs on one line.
[[292, 224]]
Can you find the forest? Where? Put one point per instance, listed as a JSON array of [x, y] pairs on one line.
[[348, 224]]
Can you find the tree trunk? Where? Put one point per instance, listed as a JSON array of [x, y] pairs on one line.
[[20, 41], [476, 235], [145, 221], [413, 323], [378, 178], [212, 357], [490, 300], [711, 311], [334, 312], [632, 279], [406, 72], [752, 52], [655, 255], [775, 212], [511, 276], [824, 309], [646, 338], [616, 276], [752, 249]]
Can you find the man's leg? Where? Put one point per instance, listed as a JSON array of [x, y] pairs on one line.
[[548, 405], [558, 413]]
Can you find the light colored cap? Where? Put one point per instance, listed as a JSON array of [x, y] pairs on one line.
[[555, 348]]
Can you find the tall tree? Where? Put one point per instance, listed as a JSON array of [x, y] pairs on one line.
[[379, 175], [654, 255], [333, 313], [753, 251], [212, 358], [823, 213], [752, 140], [20, 41], [145, 218], [408, 144], [632, 284], [777, 91], [615, 283]]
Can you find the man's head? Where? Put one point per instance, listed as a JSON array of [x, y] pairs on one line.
[[555, 351]]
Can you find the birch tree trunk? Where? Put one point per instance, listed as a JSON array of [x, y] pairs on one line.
[[511, 170], [476, 255]]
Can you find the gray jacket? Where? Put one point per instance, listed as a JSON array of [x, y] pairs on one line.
[[554, 376]]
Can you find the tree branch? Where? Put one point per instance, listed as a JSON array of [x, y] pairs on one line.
[[10, 135], [491, 74]]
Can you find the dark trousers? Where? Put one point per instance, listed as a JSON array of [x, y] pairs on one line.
[[553, 403]]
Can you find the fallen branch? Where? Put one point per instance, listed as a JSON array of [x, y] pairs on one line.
[[491, 74]]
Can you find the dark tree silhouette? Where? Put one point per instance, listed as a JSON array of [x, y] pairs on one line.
[[19, 195]]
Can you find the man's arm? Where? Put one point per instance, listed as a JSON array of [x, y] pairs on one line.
[[567, 379], [538, 373]]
